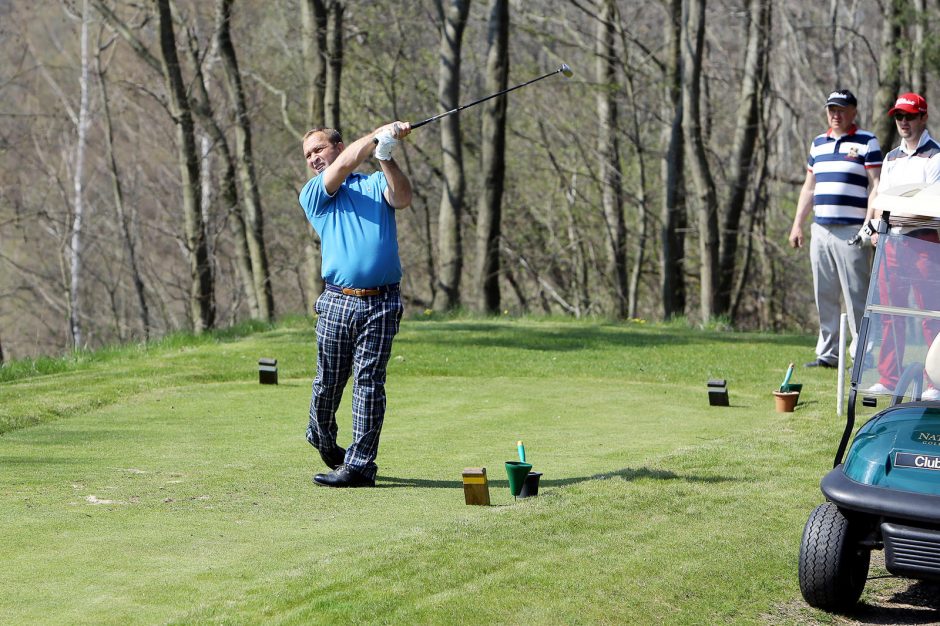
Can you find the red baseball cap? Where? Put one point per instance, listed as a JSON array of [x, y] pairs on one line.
[[909, 103]]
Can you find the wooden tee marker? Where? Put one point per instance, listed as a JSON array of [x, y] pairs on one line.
[[476, 489]]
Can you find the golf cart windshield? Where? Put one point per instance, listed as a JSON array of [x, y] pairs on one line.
[[902, 316]]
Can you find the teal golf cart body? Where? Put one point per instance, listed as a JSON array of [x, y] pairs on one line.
[[883, 492], [893, 450]]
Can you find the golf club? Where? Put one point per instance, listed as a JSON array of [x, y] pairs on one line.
[[564, 70]]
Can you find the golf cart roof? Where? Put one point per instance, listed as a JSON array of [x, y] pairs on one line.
[[918, 199]]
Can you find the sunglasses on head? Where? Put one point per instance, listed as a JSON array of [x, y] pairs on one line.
[[907, 117]]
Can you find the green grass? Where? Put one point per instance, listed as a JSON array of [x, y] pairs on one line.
[[163, 484]]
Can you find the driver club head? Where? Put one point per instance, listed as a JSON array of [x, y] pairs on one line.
[[564, 69]]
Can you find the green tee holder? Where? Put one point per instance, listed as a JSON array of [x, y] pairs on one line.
[[786, 386], [517, 471]]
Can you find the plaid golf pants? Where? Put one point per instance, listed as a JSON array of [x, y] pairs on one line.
[[354, 335]]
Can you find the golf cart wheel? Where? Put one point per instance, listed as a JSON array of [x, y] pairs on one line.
[[833, 564]]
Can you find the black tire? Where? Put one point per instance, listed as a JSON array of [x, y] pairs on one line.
[[833, 564]]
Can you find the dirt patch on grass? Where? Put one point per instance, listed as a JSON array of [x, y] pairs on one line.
[[886, 600], [93, 499]]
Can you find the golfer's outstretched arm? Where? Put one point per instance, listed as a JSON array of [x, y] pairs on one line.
[[398, 192], [353, 155]]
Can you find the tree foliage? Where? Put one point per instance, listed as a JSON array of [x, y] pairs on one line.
[[174, 235]]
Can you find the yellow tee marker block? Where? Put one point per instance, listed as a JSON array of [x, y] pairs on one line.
[[476, 489]]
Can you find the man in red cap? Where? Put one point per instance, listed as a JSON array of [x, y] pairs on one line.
[[916, 160]]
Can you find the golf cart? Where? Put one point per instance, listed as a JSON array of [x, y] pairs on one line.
[[885, 493]]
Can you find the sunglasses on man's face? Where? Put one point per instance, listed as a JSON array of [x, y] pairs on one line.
[[906, 117]]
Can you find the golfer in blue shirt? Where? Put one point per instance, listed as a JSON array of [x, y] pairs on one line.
[[360, 308]]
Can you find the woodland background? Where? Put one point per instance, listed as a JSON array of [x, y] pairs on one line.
[[150, 154]]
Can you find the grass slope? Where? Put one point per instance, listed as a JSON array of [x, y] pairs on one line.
[[165, 485]]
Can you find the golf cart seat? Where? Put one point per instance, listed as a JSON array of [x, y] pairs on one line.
[[932, 362]]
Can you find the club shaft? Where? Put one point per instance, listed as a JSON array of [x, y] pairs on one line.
[[475, 102]]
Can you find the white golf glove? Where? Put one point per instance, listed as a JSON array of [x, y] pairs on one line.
[[864, 235], [386, 143]]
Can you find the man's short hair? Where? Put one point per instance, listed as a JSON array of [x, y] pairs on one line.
[[332, 135]]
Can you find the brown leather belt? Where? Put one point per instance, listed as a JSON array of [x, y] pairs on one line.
[[362, 292]]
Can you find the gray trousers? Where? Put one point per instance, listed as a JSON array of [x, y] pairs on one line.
[[838, 270]]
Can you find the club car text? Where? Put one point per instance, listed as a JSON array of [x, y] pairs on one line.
[[920, 461], [930, 439]]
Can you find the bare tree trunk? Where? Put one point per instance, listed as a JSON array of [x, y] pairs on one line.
[[752, 93], [672, 261], [202, 108], [202, 281], [639, 260], [428, 232], [313, 44], [767, 300], [315, 51], [334, 43], [918, 62], [693, 40], [450, 252], [749, 277], [759, 204], [493, 161], [889, 73], [517, 290], [835, 7], [124, 221], [202, 297], [78, 200], [254, 214], [577, 258], [580, 289], [233, 210], [609, 156]]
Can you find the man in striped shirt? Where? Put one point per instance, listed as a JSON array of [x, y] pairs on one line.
[[842, 174]]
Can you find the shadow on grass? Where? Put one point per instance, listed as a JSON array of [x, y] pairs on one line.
[[569, 338], [921, 593], [629, 474], [626, 473], [917, 604]]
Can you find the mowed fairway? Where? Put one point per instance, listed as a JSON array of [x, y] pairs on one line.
[[167, 485]]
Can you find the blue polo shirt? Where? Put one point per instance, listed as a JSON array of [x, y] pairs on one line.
[[357, 230], [839, 165]]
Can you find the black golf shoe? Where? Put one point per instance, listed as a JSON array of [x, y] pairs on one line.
[[820, 363], [334, 458], [344, 476]]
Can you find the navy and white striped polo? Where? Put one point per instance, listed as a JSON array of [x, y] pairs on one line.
[[839, 165]]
